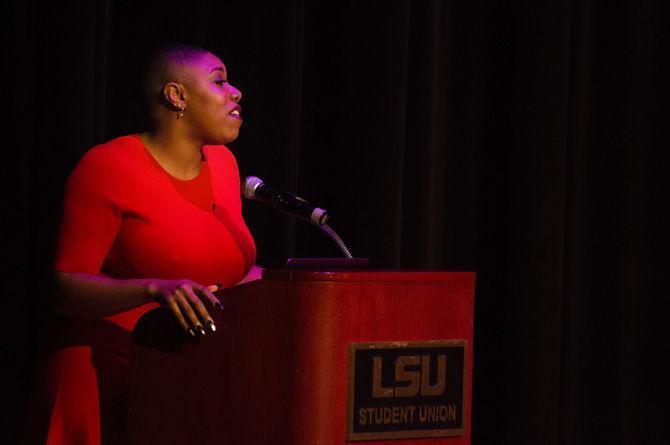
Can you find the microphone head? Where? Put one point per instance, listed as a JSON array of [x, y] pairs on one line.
[[251, 183]]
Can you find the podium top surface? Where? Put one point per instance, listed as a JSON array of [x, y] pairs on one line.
[[367, 275]]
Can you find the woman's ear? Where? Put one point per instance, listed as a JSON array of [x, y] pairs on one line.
[[174, 95]]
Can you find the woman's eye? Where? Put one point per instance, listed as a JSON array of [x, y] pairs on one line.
[[220, 82]]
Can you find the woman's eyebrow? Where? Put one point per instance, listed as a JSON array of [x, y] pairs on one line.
[[218, 68]]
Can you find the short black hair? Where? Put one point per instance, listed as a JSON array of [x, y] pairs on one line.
[[162, 67]]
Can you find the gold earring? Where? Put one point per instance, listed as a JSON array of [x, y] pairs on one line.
[[180, 114]]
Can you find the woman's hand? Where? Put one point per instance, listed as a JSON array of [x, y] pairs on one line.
[[185, 299]]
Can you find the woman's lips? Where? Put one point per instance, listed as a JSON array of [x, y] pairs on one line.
[[235, 113]]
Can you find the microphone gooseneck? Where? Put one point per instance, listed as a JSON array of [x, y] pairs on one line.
[[255, 189]]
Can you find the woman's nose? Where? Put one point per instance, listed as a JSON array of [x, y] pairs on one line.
[[235, 94]]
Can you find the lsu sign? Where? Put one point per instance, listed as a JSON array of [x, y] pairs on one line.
[[406, 390]]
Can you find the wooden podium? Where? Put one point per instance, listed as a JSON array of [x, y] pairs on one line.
[[278, 369]]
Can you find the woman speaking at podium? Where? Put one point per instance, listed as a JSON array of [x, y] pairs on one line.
[[148, 219]]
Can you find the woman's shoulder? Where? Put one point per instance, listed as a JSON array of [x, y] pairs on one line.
[[118, 148], [108, 160], [111, 155]]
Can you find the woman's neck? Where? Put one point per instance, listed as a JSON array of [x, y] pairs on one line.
[[178, 155]]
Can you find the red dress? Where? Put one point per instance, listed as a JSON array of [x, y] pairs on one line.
[[124, 216]]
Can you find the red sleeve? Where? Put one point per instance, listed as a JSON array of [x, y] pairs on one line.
[[91, 219]]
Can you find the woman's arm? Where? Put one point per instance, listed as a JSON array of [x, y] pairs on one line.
[[254, 274], [89, 295]]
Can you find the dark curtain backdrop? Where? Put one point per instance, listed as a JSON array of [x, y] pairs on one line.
[[524, 140]]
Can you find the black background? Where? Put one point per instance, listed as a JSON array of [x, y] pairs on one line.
[[524, 140]]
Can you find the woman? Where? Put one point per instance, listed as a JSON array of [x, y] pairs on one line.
[[148, 219]]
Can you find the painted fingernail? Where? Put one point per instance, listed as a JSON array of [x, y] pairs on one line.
[[201, 329], [191, 331], [218, 305], [211, 325]]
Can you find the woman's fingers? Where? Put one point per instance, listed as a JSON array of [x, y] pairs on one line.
[[187, 309], [186, 302], [208, 292], [172, 304], [199, 307]]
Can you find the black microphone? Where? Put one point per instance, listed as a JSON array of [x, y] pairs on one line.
[[255, 188]]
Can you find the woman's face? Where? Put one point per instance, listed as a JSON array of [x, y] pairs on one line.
[[212, 110]]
